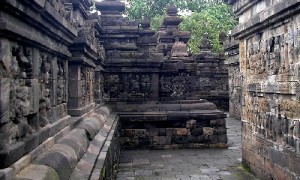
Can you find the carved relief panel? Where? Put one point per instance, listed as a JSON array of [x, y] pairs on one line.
[[89, 85], [203, 83], [83, 80], [255, 56], [46, 77], [19, 106], [111, 85], [135, 85], [138, 85], [21, 61], [61, 82], [175, 85]]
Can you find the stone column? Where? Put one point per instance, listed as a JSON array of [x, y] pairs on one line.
[[98, 89], [74, 89]]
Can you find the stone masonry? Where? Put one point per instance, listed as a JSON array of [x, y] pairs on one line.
[[268, 40], [50, 125], [235, 78], [184, 124], [72, 82], [155, 84]]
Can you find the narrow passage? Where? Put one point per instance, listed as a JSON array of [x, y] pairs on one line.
[[185, 164]]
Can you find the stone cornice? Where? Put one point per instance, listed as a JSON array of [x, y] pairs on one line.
[[37, 22], [267, 18]]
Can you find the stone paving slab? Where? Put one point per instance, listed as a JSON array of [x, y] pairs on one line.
[[187, 164]]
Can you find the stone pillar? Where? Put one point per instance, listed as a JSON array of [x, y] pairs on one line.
[[87, 53], [155, 87], [74, 103], [98, 90]]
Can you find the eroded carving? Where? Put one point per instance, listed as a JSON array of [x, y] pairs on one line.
[[111, 84], [46, 78], [21, 62], [61, 82], [175, 86], [84, 94], [139, 85]]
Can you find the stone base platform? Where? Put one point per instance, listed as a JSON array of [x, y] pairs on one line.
[[172, 124]]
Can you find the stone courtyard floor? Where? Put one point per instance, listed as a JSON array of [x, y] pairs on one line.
[[185, 164]]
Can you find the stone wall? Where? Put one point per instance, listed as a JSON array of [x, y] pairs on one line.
[[235, 77], [50, 58], [268, 35], [34, 67], [212, 81]]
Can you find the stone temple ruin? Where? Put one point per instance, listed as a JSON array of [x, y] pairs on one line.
[[76, 87]]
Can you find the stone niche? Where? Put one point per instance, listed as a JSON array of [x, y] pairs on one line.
[[269, 71]]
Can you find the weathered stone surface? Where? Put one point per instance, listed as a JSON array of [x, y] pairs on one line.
[[235, 77], [64, 61], [264, 79], [91, 126], [35, 87], [39, 172], [77, 140], [60, 163], [198, 123]]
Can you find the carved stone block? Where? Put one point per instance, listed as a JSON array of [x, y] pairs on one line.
[[5, 90]]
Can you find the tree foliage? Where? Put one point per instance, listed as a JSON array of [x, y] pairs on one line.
[[210, 21], [208, 17], [149, 8], [196, 5], [156, 21]]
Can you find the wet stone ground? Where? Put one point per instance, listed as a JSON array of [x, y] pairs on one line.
[[185, 164]]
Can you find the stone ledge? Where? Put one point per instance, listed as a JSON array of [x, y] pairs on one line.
[[81, 111], [179, 105], [170, 115], [266, 18], [44, 172], [39, 20], [30, 143], [62, 157], [55, 132], [100, 144]]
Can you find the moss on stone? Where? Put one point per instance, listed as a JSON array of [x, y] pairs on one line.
[[103, 172], [52, 174]]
